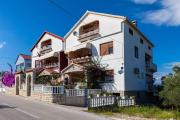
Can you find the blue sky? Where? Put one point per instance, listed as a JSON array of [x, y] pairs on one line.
[[23, 21]]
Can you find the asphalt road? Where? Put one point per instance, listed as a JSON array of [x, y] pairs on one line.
[[18, 108]]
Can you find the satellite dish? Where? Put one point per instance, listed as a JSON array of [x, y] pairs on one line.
[[56, 54], [75, 33]]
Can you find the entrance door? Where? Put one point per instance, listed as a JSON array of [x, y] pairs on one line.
[[29, 85], [17, 85]]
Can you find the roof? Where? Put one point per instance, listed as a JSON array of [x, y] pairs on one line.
[[108, 15], [46, 32], [85, 15], [26, 57]]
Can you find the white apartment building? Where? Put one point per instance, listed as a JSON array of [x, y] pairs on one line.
[[48, 54], [123, 48]]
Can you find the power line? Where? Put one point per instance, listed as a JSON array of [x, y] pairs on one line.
[[62, 8], [72, 15]]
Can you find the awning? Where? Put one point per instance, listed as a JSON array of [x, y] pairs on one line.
[[77, 47], [47, 72], [72, 68]]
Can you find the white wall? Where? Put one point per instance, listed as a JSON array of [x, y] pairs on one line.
[[132, 82], [57, 45], [108, 26], [123, 42], [20, 60]]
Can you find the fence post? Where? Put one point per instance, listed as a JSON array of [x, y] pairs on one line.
[[42, 89], [85, 97]]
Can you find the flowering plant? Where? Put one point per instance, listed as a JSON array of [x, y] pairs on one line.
[[8, 77]]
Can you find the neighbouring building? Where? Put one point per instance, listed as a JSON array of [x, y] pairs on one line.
[[23, 62], [47, 58], [48, 54], [119, 46]]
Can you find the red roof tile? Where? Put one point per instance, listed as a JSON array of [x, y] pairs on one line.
[[26, 57]]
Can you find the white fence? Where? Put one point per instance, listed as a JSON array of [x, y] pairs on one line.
[[49, 89], [53, 89], [37, 88], [82, 92], [125, 102], [101, 101], [109, 101], [75, 92]]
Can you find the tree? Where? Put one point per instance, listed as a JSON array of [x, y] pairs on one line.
[[94, 72], [171, 89]]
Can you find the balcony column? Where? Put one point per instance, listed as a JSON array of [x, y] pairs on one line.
[[59, 57], [86, 77]]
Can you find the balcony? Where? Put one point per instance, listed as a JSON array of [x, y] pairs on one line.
[[151, 67], [81, 60], [89, 35], [45, 49], [50, 65]]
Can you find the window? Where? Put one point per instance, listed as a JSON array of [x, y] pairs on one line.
[[106, 48], [37, 63], [46, 44], [136, 71], [136, 52], [130, 31], [28, 65], [109, 76], [149, 47], [141, 40]]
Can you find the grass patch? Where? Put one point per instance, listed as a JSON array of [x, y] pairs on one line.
[[142, 111]]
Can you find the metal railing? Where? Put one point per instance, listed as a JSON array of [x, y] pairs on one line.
[[82, 92], [45, 49], [75, 92], [49, 89], [151, 67], [53, 89]]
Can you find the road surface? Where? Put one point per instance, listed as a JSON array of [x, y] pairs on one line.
[[18, 108]]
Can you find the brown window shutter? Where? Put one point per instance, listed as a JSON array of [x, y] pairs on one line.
[[104, 48]]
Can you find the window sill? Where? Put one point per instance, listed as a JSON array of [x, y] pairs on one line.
[[106, 55]]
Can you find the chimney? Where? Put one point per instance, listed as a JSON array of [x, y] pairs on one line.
[[134, 22]]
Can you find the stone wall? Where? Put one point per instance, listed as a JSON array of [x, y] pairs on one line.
[[75, 100], [59, 99], [22, 93], [36, 95], [10, 91]]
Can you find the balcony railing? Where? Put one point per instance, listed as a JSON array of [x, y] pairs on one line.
[[89, 35], [46, 49], [81, 60], [151, 67], [51, 65]]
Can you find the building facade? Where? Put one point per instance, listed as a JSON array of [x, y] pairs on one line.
[[48, 54], [118, 45], [23, 62]]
